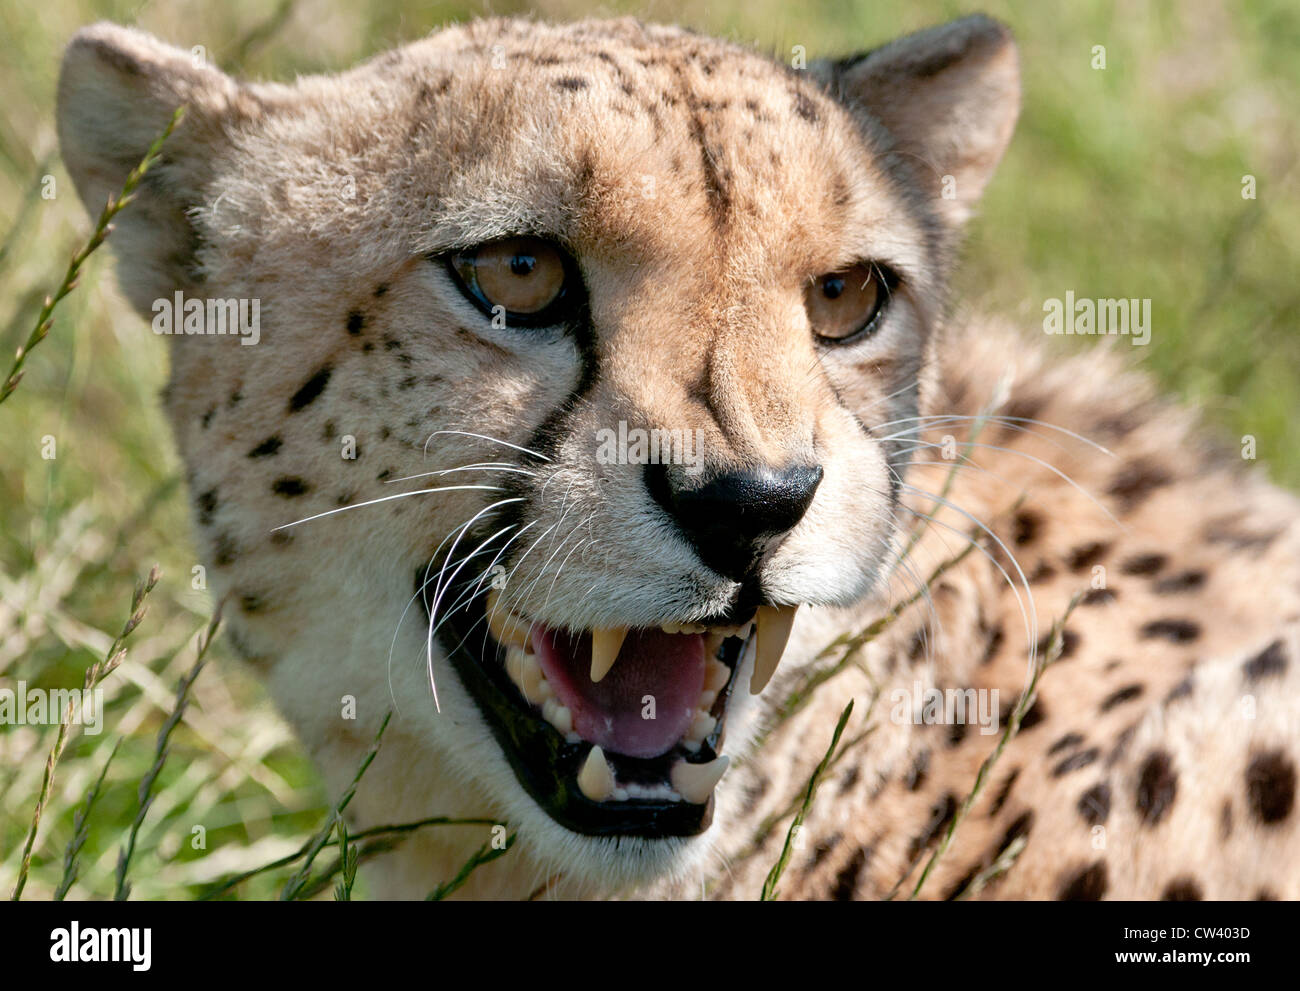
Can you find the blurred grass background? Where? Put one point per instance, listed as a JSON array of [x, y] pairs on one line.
[[1121, 182]]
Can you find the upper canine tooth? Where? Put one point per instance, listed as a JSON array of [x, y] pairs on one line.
[[774, 624], [695, 782], [605, 645], [596, 780], [508, 629]]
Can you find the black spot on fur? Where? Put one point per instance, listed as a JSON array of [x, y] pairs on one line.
[[1075, 761], [1182, 890], [1094, 804], [918, 772], [573, 83], [1086, 555], [225, 550], [1143, 564], [846, 881], [1069, 643], [824, 849], [1019, 827], [1000, 799], [289, 487], [356, 322], [1026, 526], [849, 778], [1040, 574], [993, 644], [1135, 482], [1270, 787], [206, 420], [251, 603], [957, 733], [1088, 885], [940, 815], [1271, 660], [207, 503], [381, 289], [1173, 630], [1097, 597], [805, 107], [328, 431], [1120, 696], [1184, 581], [310, 390], [266, 448], [1065, 743], [1156, 788]]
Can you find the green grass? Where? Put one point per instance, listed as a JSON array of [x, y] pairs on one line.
[[1120, 182]]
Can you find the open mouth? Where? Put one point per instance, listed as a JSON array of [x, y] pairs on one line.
[[612, 732]]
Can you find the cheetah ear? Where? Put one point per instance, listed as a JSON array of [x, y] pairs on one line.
[[949, 96], [117, 90]]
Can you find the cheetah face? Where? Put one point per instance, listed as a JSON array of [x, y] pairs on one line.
[[602, 332]]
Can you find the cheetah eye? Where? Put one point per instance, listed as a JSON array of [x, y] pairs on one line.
[[526, 279], [846, 304]]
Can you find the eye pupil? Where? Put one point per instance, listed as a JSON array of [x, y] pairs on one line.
[[522, 264], [832, 287]]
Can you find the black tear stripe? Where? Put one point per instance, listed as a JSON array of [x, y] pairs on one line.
[[549, 434]]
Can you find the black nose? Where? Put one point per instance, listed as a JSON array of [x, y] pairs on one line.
[[730, 518]]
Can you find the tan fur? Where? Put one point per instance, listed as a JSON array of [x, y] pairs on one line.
[[701, 186]]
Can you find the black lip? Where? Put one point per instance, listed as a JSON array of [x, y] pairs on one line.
[[547, 765]]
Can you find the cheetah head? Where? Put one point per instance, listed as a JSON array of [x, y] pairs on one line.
[[579, 356]]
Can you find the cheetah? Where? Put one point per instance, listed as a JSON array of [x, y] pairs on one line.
[[610, 425]]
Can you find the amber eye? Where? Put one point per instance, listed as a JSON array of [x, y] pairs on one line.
[[843, 304], [525, 279]]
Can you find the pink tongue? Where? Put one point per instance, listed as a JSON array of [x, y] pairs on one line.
[[612, 713]]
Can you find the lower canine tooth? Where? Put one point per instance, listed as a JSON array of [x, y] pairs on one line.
[[506, 627], [695, 782], [773, 633], [605, 645], [596, 780]]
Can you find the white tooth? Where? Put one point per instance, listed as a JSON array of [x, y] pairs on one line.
[[692, 628], [527, 675], [716, 676], [670, 627], [509, 629], [774, 624], [596, 780], [620, 795], [701, 726], [605, 645], [706, 700], [695, 782], [558, 716]]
